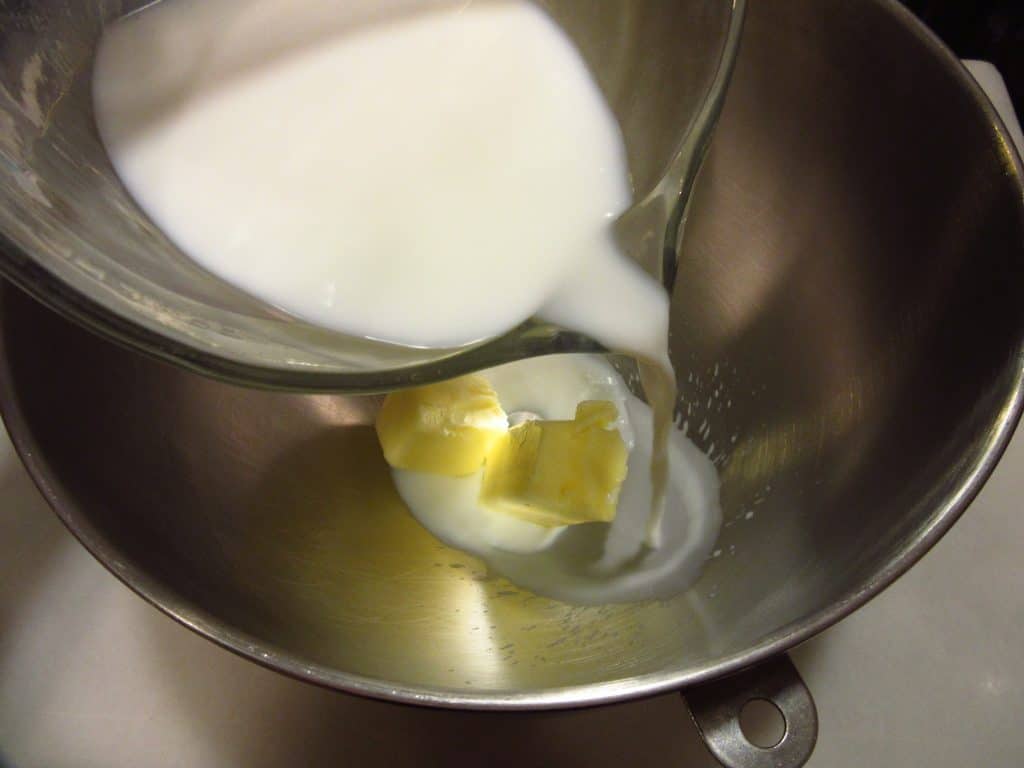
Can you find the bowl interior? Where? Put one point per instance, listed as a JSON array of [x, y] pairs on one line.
[[74, 238]]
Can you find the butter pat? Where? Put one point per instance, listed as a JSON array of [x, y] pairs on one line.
[[445, 428], [555, 473]]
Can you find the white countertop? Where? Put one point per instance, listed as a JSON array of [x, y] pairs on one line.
[[931, 673]]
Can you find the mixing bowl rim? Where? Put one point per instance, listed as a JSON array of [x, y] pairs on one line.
[[164, 599]]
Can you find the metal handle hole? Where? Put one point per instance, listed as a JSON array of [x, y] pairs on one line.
[[762, 723]]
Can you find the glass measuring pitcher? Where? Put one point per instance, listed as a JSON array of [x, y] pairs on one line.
[[72, 236]]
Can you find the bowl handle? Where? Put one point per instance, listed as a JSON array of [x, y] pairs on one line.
[[715, 708]]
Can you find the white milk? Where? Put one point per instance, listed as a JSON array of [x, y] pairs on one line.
[[429, 177], [589, 564]]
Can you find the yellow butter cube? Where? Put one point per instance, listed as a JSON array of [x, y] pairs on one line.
[[445, 428], [555, 473]]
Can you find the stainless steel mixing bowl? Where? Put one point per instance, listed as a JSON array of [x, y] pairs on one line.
[[848, 324]]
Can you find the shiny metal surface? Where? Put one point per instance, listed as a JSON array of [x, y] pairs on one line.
[[72, 236], [848, 326], [716, 707]]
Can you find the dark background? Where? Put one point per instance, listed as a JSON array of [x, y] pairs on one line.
[[992, 30]]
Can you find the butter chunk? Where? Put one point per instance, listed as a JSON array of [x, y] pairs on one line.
[[445, 428], [555, 473]]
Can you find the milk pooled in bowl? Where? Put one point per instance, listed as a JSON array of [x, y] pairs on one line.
[[594, 563]]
